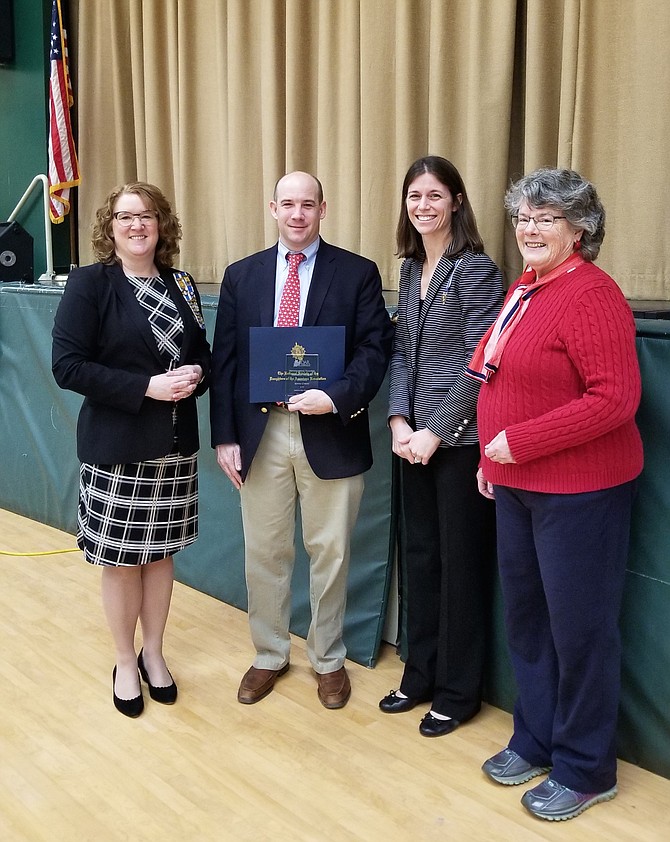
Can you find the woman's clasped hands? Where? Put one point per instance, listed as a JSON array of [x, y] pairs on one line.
[[176, 384], [416, 446]]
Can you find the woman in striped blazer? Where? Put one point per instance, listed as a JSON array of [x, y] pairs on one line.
[[450, 293]]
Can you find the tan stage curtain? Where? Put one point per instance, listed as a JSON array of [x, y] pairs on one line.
[[595, 83], [214, 99]]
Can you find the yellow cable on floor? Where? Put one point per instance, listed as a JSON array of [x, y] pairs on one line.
[[47, 552]]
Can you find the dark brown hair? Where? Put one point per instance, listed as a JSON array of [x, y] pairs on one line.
[[463, 223], [169, 227]]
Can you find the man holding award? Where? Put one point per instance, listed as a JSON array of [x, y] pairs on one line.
[[301, 346]]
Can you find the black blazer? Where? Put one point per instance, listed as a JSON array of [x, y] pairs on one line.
[[104, 349], [345, 290]]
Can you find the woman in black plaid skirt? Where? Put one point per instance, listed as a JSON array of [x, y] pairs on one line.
[[129, 336]]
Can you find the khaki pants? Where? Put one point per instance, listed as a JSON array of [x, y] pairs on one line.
[[279, 475]]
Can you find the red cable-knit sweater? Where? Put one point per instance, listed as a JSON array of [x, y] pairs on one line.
[[567, 390]]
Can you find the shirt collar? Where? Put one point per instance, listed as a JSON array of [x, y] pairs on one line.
[[309, 252]]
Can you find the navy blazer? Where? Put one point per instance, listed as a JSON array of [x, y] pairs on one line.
[[104, 349], [346, 290]]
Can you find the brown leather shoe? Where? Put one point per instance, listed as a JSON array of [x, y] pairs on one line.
[[334, 688], [256, 684]]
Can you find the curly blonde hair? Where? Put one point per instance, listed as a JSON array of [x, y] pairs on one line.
[[169, 227]]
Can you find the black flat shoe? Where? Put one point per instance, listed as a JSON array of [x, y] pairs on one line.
[[164, 695], [396, 704], [431, 726], [128, 707]]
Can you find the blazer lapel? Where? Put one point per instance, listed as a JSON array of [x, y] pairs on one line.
[[442, 272], [322, 277], [126, 294], [264, 289], [187, 315]]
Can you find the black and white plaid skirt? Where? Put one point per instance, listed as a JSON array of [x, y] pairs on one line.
[[137, 513]]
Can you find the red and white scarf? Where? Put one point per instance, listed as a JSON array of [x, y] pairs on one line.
[[486, 358]]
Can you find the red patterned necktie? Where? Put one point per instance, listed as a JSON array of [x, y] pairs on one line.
[[289, 306]]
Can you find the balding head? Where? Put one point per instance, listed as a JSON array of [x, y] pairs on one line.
[[298, 207], [300, 176]]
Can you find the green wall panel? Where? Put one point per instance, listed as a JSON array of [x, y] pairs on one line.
[[41, 475], [39, 479]]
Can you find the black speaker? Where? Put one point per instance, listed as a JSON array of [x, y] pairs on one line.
[[16, 253], [6, 31]]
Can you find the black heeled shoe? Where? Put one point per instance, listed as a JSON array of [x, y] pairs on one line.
[[128, 707], [164, 695]]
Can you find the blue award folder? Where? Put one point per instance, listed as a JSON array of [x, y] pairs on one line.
[[285, 361]]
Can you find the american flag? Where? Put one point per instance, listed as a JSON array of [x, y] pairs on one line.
[[63, 164]]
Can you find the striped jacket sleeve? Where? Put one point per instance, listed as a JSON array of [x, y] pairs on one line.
[[399, 390]]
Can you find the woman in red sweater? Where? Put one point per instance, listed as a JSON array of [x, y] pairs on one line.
[[560, 455]]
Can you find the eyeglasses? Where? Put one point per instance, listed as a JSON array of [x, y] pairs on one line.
[[542, 223], [125, 218]]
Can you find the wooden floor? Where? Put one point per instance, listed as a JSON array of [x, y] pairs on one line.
[[72, 768]]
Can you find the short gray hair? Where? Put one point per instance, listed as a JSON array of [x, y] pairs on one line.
[[567, 192]]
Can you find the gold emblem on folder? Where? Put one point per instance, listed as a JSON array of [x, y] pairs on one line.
[[298, 352]]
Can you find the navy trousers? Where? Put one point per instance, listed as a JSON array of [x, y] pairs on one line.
[[448, 540], [562, 561]]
